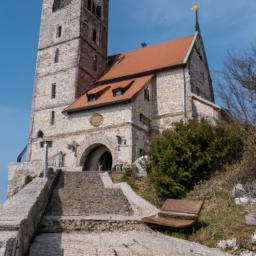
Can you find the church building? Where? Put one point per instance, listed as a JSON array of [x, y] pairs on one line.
[[98, 112]]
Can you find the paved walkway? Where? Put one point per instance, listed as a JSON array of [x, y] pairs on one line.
[[133, 243]]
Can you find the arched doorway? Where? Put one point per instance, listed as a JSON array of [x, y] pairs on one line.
[[98, 158]]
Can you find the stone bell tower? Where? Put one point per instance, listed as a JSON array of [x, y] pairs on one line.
[[72, 54]]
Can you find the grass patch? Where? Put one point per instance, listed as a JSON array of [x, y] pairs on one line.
[[142, 186], [220, 218], [223, 218]]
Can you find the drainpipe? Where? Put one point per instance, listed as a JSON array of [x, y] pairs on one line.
[[185, 97]]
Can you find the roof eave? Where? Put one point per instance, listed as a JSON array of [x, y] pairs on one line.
[[81, 109], [207, 102]]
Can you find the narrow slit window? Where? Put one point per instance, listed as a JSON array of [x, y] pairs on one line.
[[202, 76], [144, 120], [57, 56], [93, 8], [98, 11], [95, 62], [89, 5], [146, 94], [59, 31], [94, 36], [53, 91], [52, 117], [198, 91]]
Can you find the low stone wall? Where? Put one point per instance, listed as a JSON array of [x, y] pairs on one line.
[[206, 109], [20, 216], [20, 173], [141, 208]]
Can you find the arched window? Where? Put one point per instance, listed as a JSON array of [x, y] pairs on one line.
[[40, 134], [94, 36], [98, 11], [85, 25], [57, 55], [89, 5]]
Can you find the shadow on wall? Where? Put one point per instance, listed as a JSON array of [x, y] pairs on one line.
[[50, 242], [47, 244]]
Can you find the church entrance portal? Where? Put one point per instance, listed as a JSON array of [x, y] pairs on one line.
[[99, 158]]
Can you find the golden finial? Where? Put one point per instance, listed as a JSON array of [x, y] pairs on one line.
[[196, 8]]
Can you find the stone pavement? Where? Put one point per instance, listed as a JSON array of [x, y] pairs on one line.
[[133, 243]]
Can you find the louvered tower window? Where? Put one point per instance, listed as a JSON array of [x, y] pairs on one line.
[[59, 4]]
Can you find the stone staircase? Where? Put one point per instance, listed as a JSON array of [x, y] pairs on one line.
[[80, 203], [83, 194], [84, 218]]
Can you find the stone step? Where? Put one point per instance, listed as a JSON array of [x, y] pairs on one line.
[[83, 193], [90, 224], [79, 180]]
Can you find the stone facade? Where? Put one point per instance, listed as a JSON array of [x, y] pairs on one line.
[[72, 54]]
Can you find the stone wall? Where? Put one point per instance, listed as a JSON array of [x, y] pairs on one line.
[[172, 98], [51, 20], [20, 174], [64, 85], [20, 216], [141, 118], [116, 122]]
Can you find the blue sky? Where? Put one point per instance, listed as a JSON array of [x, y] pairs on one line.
[[226, 24]]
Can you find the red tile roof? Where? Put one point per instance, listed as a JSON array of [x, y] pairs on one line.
[[150, 58], [106, 93], [135, 63]]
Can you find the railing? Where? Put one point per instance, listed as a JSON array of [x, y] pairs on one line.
[[56, 161]]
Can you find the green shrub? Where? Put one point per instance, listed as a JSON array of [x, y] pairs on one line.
[[189, 153]]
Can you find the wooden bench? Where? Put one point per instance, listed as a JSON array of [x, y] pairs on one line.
[[176, 214]]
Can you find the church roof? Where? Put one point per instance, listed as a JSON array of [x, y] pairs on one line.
[[106, 94], [133, 70], [150, 58]]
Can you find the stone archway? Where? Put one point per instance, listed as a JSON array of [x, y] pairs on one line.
[[96, 145], [98, 158]]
